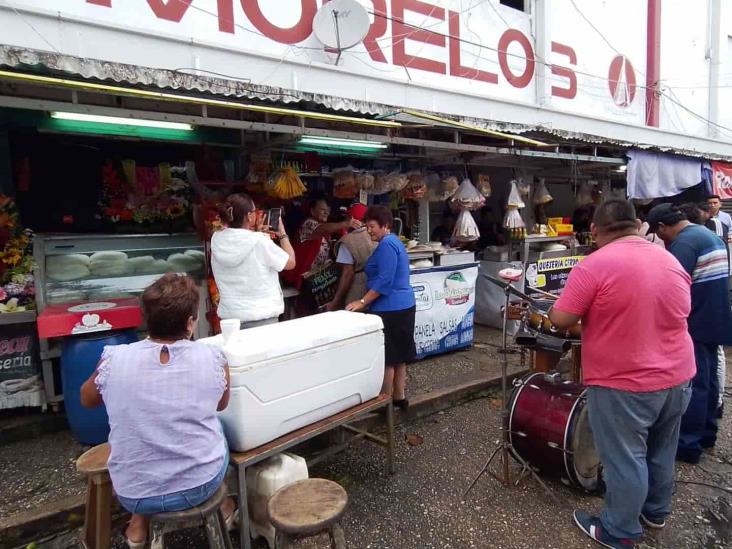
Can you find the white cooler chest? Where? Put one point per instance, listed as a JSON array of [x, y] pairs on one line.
[[288, 375]]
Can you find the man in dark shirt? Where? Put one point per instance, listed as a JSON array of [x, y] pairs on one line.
[[704, 256]]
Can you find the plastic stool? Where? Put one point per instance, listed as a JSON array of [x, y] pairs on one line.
[[98, 515], [208, 515], [307, 508]]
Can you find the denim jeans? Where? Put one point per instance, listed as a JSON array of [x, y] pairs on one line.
[[636, 435], [177, 501], [699, 424]]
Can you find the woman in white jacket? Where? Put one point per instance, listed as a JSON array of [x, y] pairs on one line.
[[246, 264]]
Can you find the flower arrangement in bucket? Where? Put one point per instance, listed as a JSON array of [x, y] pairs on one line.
[[17, 286]]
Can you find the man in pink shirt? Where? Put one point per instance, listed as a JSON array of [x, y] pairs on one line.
[[637, 357]]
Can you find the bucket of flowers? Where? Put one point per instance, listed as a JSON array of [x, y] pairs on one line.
[[17, 285]]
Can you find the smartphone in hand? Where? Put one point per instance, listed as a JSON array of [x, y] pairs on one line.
[[274, 216]]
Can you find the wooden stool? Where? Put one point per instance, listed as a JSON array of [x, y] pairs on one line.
[[98, 515], [208, 515], [307, 508]]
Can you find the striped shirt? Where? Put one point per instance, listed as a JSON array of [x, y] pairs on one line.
[[704, 256]]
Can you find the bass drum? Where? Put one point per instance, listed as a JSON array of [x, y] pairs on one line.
[[550, 429]]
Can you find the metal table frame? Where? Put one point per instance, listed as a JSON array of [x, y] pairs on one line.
[[241, 460]]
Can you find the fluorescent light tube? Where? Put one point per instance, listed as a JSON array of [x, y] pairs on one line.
[[335, 142], [96, 119]]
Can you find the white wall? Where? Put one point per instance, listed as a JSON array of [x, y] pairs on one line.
[[197, 37]]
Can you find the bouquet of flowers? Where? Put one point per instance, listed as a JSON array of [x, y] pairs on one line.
[[145, 195], [17, 286]]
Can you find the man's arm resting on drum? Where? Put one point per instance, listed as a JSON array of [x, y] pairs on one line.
[[563, 320]]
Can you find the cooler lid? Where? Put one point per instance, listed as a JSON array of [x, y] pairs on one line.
[[247, 347]]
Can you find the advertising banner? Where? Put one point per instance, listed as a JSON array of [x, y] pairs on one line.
[[549, 275], [20, 383], [445, 308], [722, 180]]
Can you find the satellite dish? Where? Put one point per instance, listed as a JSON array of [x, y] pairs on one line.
[[341, 24]]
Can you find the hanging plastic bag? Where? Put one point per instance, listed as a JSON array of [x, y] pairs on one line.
[[344, 184], [397, 181], [467, 197], [381, 184], [365, 181], [522, 186], [514, 198], [584, 194], [541, 194], [416, 188], [466, 230], [445, 189], [484, 185], [513, 219]]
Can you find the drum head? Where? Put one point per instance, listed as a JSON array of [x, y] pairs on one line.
[[586, 461]]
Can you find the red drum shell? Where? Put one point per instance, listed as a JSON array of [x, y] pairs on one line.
[[549, 428]]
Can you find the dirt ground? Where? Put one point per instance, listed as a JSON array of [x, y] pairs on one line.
[[422, 505]]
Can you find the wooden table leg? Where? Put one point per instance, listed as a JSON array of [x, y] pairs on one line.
[[103, 511], [245, 541], [90, 515], [390, 438]]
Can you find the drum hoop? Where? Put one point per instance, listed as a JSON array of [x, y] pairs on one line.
[[568, 456], [514, 400]]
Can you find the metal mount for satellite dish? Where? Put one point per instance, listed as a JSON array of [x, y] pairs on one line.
[[341, 25]]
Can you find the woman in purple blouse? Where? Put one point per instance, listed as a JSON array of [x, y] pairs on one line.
[[162, 395]]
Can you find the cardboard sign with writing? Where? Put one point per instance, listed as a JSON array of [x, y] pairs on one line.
[[322, 284]]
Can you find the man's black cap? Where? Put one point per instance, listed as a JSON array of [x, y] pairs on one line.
[[666, 213]]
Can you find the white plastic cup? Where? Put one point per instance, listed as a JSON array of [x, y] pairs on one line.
[[229, 327]]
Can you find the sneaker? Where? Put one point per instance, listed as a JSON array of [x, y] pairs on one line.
[[593, 528], [654, 523], [688, 456]]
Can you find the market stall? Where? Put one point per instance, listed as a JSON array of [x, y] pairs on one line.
[[147, 177]]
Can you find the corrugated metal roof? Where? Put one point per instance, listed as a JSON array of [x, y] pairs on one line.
[[223, 85]]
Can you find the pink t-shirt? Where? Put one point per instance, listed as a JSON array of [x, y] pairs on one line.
[[634, 299]]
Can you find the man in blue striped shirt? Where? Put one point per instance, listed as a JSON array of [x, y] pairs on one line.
[[704, 256]]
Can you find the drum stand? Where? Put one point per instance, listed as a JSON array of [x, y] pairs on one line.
[[505, 448]]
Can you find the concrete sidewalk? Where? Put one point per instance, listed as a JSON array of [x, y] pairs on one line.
[[43, 494]]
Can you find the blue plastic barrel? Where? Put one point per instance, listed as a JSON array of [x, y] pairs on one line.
[[79, 359]]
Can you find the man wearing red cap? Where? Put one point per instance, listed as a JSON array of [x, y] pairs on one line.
[[352, 253]]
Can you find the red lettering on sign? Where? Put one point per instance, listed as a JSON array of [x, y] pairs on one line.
[[456, 69], [565, 72], [377, 30], [14, 345], [172, 10], [226, 16], [292, 35], [521, 80], [401, 32], [104, 3]]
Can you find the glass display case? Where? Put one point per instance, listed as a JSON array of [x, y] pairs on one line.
[[76, 268], [73, 269]]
